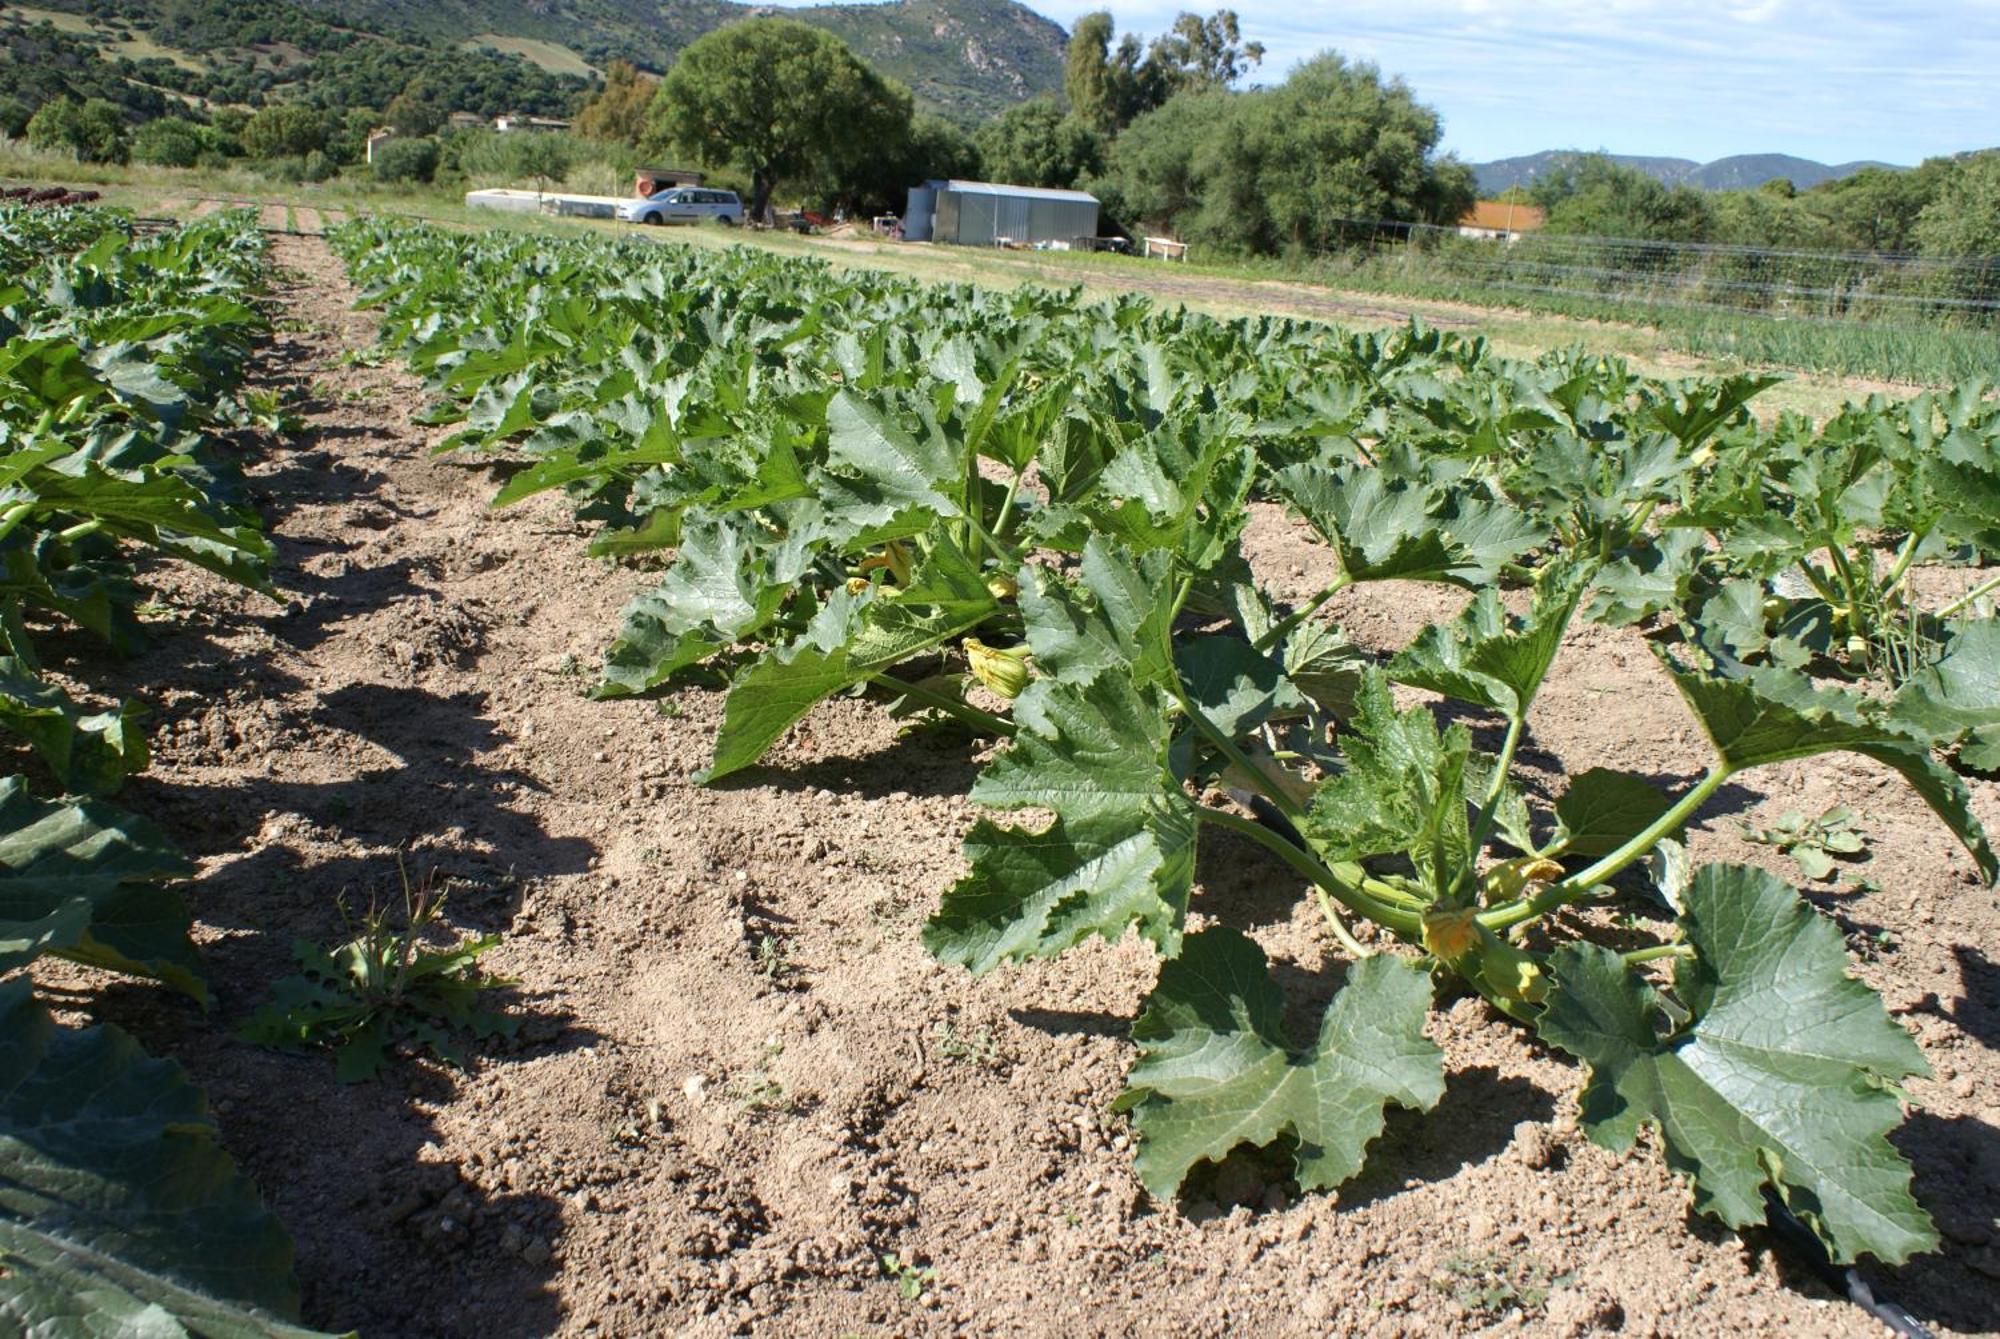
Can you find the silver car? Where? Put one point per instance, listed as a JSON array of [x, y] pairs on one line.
[[684, 204]]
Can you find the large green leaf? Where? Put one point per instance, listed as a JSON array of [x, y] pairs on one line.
[[1120, 851], [847, 641], [1604, 809], [1215, 1070], [1775, 1069], [1386, 529], [120, 1213], [888, 467], [1487, 656], [84, 880], [1111, 623], [1957, 700], [91, 753], [1403, 790], [1236, 686], [727, 582], [1771, 714]]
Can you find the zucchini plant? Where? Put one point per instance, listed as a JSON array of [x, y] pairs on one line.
[[1737, 1034]]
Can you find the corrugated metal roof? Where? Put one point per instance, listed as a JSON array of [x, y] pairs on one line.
[[1020, 192]]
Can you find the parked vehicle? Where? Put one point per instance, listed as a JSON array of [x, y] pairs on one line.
[[684, 204]]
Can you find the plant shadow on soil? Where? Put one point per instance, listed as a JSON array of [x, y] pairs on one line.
[[345, 1166], [351, 1170], [926, 764], [1957, 1161]]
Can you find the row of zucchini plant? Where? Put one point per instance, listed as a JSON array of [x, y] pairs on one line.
[[1023, 512], [121, 355]]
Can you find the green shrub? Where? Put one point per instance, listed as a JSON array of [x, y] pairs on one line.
[[286, 130], [171, 141], [14, 115], [405, 160], [92, 130]]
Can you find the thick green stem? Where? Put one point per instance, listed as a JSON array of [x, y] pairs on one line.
[[951, 706], [13, 516], [1208, 729], [1339, 926], [1489, 808], [1284, 627], [1986, 587], [1347, 882], [1850, 582], [80, 530], [1578, 886], [1637, 956], [1819, 582], [1003, 551], [1904, 557], [1004, 527]]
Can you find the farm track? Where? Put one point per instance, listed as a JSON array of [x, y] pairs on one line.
[[742, 1080]]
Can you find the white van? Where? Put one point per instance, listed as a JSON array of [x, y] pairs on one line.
[[684, 204]]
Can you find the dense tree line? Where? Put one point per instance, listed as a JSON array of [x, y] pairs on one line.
[[1943, 207]]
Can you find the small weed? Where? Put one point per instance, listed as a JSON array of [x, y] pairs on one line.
[[668, 709], [1813, 844], [373, 356], [1491, 1284], [381, 989], [774, 958], [911, 1279], [757, 1089], [979, 1048], [158, 611]]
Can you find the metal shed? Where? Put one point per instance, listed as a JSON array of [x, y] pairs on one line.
[[983, 213]]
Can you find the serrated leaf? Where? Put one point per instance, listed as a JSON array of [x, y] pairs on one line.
[[1215, 1070], [1959, 694], [82, 879], [1119, 853], [1403, 790], [1111, 624], [1488, 657], [890, 468], [724, 585], [1773, 714], [1640, 584], [1603, 809], [1385, 529], [89, 753], [1325, 665], [119, 1211], [1236, 686], [1779, 1075], [847, 641]]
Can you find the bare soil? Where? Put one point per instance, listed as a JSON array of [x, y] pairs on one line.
[[742, 1081]]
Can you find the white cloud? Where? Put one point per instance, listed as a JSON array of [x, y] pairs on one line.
[[1700, 79]]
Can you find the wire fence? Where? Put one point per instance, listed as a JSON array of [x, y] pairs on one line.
[[1824, 285]]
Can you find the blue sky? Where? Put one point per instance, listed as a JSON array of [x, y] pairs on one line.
[[1702, 79]]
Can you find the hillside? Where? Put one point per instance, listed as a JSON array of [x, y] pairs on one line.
[[968, 59], [150, 58], [1740, 172]]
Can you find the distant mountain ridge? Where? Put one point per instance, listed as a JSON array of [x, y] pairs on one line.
[[968, 59], [1740, 172]]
